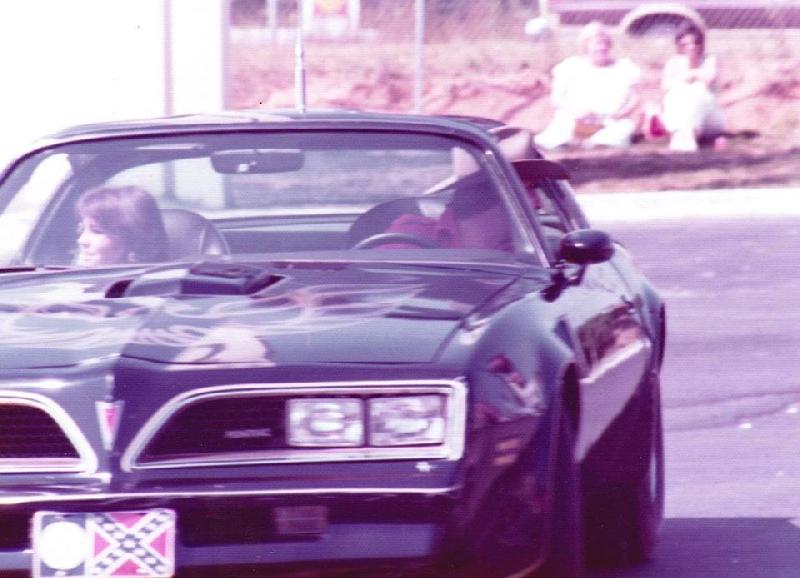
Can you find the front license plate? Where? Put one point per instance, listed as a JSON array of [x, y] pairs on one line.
[[138, 544]]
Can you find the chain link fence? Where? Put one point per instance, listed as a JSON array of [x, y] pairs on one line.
[[494, 58]]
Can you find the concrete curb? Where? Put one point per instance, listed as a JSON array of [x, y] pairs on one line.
[[682, 205]]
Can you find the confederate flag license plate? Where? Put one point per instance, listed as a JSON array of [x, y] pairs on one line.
[[139, 544]]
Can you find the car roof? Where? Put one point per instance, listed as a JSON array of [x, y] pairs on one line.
[[474, 128]]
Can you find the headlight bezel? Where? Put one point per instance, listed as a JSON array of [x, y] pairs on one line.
[[452, 448]]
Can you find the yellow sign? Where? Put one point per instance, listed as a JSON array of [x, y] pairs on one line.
[[330, 8]]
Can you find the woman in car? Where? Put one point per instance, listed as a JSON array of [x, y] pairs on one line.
[[119, 225]]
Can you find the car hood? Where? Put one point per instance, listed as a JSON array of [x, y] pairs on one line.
[[215, 313]]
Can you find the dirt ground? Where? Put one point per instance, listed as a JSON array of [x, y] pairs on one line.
[[508, 79]]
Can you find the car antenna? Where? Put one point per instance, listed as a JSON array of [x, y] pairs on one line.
[[299, 71]]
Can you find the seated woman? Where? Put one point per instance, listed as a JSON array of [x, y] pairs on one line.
[[119, 225], [475, 218], [689, 82], [595, 95]]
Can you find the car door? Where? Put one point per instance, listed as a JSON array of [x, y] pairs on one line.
[[600, 311]]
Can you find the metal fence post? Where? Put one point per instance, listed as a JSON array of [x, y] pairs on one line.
[[419, 41], [299, 70], [272, 19]]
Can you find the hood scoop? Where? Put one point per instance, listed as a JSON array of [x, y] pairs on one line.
[[227, 279], [207, 278]]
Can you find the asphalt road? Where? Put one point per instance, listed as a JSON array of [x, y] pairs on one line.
[[731, 393]]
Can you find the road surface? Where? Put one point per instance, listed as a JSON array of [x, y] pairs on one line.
[[731, 392]]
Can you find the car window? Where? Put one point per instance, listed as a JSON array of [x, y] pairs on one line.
[[561, 197], [184, 182], [276, 193], [34, 191], [553, 221], [547, 211]]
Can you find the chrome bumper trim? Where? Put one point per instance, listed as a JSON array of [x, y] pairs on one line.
[[41, 497]]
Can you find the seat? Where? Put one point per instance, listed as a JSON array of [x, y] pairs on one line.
[[189, 234], [378, 218]]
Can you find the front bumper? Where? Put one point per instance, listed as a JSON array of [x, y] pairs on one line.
[[230, 527]]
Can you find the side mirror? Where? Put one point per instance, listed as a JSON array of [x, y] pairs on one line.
[[586, 246]]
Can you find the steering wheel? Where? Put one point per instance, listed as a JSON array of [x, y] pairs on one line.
[[399, 238]]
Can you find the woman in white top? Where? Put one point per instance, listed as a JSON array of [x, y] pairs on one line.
[[689, 81], [594, 95]]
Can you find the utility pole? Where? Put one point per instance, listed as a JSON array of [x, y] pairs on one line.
[[419, 43]]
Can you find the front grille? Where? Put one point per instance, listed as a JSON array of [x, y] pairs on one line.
[[16, 529], [220, 426], [30, 433]]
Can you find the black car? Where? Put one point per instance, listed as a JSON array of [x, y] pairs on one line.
[[337, 340]]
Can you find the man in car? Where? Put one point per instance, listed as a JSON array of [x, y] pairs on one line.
[[475, 218]]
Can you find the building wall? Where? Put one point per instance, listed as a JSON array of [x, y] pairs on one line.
[[66, 63]]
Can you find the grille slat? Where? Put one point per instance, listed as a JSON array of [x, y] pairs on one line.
[[28, 432]]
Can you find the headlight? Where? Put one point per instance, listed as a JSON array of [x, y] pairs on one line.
[[407, 420], [326, 422]]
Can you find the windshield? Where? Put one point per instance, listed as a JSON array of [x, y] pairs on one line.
[[159, 199]]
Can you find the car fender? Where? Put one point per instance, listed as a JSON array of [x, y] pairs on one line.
[[651, 306], [514, 406]]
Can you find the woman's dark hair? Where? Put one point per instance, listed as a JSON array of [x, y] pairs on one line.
[[687, 28], [130, 214]]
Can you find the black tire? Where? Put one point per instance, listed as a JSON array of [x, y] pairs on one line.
[[565, 555], [623, 486], [499, 537]]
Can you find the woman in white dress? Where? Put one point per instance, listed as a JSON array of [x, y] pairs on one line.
[[689, 80], [595, 95]]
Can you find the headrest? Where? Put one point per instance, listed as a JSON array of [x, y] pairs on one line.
[[189, 234]]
